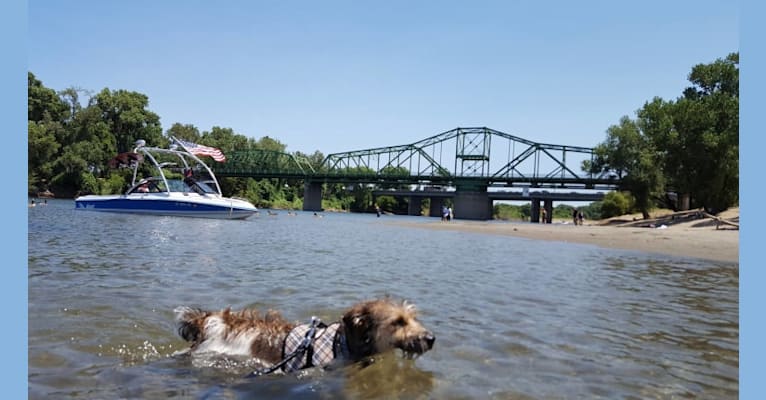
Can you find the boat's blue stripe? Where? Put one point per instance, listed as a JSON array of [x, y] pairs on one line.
[[154, 206]]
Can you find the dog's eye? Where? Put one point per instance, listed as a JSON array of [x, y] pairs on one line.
[[399, 322]]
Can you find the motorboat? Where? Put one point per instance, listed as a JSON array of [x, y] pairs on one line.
[[172, 181]]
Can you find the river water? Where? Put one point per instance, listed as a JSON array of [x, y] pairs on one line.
[[513, 318]]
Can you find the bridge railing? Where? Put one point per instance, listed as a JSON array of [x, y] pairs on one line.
[[264, 163], [471, 153]]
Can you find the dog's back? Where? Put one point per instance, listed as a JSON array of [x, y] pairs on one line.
[[242, 333]]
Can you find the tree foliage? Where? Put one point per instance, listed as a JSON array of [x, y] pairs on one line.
[[688, 146], [70, 144], [616, 203]]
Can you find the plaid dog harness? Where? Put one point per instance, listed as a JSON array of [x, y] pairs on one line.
[[328, 343]]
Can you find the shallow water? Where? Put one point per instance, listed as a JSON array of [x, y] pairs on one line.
[[513, 318]]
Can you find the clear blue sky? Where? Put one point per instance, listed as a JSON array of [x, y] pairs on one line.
[[346, 75]]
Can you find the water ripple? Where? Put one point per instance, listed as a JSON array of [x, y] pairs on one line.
[[514, 318]]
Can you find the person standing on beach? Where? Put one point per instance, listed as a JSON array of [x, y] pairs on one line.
[[579, 217], [574, 216], [544, 216]]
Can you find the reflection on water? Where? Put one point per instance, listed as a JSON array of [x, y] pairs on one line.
[[515, 318]]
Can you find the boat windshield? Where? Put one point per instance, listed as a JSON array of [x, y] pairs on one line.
[[156, 185], [206, 188], [148, 185], [178, 185]]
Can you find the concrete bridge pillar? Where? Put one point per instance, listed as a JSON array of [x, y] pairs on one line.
[[415, 205], [436, 207], [312, 196], [472, 205], [535, 211], [548, 204]]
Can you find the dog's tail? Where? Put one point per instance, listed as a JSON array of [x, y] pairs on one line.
[[190, 322]]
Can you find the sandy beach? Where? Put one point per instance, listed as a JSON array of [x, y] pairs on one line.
[[697, 238]]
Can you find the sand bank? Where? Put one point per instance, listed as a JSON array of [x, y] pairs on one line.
[[699, 239]]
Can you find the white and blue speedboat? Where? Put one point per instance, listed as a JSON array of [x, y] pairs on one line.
[[168, 182]]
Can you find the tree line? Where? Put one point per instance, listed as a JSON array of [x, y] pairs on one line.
[[70, 144], [681, 153], [677, 153]]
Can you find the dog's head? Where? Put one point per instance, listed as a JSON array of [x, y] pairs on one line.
[[377, 326]]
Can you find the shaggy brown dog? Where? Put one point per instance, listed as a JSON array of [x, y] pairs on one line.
[[368, 328]]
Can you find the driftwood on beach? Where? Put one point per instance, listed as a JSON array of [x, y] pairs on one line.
[[678, 218], [720, 221]]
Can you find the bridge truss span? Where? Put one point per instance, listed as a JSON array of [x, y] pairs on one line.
[[470, 160], [480, 155]]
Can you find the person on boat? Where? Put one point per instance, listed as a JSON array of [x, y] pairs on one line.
[[191, 182]]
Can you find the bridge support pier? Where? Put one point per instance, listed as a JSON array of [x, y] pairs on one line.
[[548, 205], [473, 205], [535, 210], [312, 196], [436, 207], [415, 205]]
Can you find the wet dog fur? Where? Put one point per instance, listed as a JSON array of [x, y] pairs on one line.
[[370, 327]]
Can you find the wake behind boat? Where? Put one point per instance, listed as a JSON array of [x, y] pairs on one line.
[[177, 183]]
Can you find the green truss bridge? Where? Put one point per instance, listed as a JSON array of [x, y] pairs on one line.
[[473, 166]]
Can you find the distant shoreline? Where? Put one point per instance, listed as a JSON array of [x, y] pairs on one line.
[[683, 240]]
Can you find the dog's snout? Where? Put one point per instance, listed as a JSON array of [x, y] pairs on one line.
[[430, 339]]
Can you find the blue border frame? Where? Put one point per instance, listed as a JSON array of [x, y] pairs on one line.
[[14, 288]]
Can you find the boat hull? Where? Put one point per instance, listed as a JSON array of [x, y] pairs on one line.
[[181, 204]]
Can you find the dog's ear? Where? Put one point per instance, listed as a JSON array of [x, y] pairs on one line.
[[356, 319], [359, 333]]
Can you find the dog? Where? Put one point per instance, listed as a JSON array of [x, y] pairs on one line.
[[368, 328]]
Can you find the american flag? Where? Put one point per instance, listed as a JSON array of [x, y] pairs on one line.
[[200, 150]]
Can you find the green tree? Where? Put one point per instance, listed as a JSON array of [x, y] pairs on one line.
[[707, 122], [128, 118], [71, 97], [633, 157], [394, 172], [267, 143], [387, 203], [688, 146], [43, 102], [698, 135], [85, 149], [225, 139], [46, 133], [506, 212], [615, 203], [41, 149], [187, 132]]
